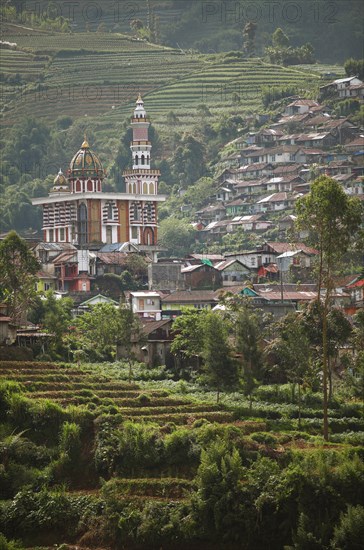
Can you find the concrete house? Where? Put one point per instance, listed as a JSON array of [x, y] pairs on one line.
[[145, 303]]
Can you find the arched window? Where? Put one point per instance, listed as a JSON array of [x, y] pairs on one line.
[[145, 188], [78, 186], [143, 159], [89, 185], [82, 224], [151, 188], [136, 160]]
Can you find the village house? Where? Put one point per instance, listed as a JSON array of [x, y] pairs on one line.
[[211, 213], [87, 305], [236, 207], [153, 347], [233, 272], [300, 107], [201, 276], [252, 222], [268, 136], [255, 170], [165, 275], [275, 203], [246, 189], [110, 262], [274, 249], [72, 269], [7, 327], [145, 303], [289, 121], [342, 87], [173, 303], [46, 281]]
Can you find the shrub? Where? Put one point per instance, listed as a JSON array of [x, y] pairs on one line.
[[7, 389], [181, 447], [349, 533]]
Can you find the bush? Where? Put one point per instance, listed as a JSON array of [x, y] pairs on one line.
[[349, 533]]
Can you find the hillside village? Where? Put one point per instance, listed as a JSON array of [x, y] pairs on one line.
[[256, 192], [181, 275]]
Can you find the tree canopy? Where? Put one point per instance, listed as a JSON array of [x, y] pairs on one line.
[[18, 268]]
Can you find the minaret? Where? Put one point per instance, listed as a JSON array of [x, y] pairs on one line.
[[142, 181], [140, 146]]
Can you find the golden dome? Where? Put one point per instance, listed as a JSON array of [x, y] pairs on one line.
[[86, 163]]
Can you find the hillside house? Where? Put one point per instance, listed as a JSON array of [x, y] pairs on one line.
[[291, 120], [356, 145], [341, 87], [173, 303], [224, 194], [356, 291], [253, 222], [201, 276], [7, 327], [246, 189], [72, 270], [212, 213], [274, 203], [46, 281], [86, 305], [233, 272], [216, 230], [145, 303], [354, 186], [288, 170], [166, 275], [236, 207], [153, 348], [256, 170], [252, 259], [300, 107], [110, 262], [268, 136], [46, 253]]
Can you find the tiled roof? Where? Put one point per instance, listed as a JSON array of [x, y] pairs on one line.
[[151, 326], [66, 257], [279, 248], [190, 296], [112, 258]]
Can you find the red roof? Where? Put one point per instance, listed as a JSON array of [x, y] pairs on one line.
[[358, 284]]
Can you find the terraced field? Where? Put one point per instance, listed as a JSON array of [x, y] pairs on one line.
[[99, 74], [125, 448]]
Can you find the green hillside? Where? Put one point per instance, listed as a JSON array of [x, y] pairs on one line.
[[51, 75], [92, 460]]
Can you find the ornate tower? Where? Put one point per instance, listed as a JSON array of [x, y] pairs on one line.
[[142, 181]]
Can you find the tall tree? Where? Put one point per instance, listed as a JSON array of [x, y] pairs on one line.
[[333, 219], [247, 344], [18, 268], [130, 333], [291, 352], [280, 39], [188, 337], [97, 332], [249, 32], [220, 368]]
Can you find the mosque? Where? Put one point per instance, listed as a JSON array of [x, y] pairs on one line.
[[77, 211]]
